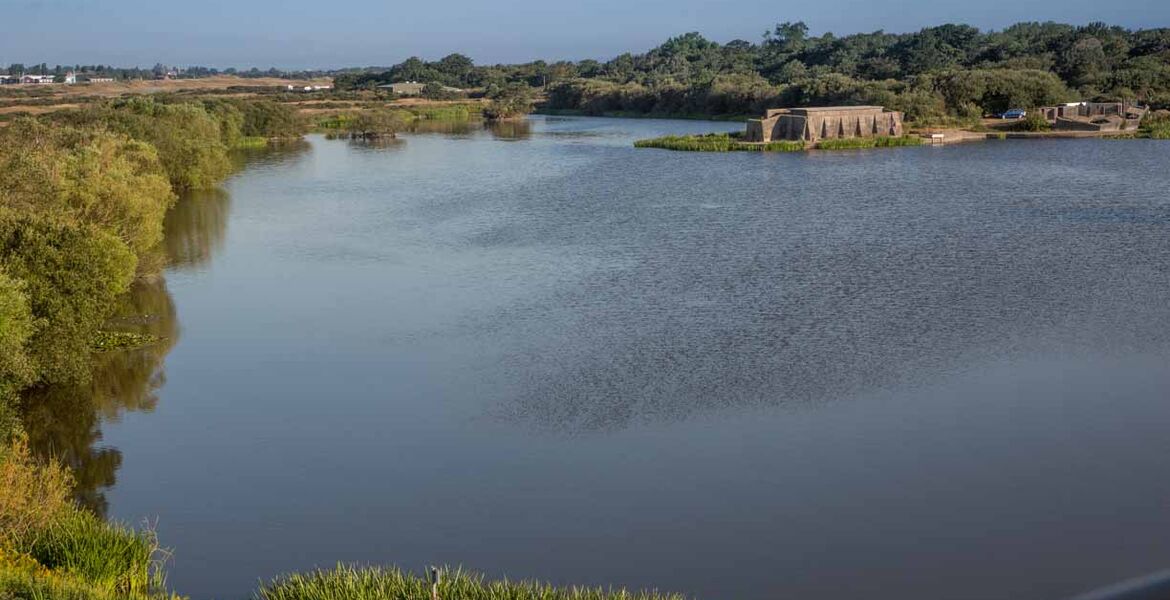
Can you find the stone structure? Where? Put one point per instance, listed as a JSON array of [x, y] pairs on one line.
[[1094, 116], [822, 123]]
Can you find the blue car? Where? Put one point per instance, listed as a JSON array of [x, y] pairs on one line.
[[1015, 113]]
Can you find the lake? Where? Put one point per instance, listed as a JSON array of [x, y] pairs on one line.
[[537, 352]]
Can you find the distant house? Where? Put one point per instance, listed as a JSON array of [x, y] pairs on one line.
[[9, 79], [1094, 116], [413, 88], [308, 88], [99, 79], [70, 78], [37, 79], [405, 88]]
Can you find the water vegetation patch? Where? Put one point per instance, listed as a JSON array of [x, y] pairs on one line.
[[873, 142], [373, 583], [106, 341], [250, 142], [716, 142], [730, 142]]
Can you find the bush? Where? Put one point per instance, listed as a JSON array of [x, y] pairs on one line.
[[1157, 125], [16, 328], [72, 273], [189, 139], [1033, 122], [107, 180], [349, 583], [32, 495]]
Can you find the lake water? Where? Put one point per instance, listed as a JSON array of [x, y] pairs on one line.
[[537, 352]]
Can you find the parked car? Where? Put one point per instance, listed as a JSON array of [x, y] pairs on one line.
[[1015, 113]]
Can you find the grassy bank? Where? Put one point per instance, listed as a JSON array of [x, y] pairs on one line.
[[725, 142], [51, 549], [715, 142], [351, 583], [873, 142]]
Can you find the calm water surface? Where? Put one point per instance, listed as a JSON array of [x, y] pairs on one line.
[[538, 352]]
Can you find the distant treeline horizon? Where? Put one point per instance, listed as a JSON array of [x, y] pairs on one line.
[[948, 72]]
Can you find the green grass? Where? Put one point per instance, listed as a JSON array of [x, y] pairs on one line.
[[728, 142], [715, 142], [444, 113], [873, 142], [372, 583], [1156, 127], [108, 556]]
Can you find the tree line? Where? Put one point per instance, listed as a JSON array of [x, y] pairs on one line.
[[949, 71]]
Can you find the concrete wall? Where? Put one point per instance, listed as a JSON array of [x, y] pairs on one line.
[[814, 124]]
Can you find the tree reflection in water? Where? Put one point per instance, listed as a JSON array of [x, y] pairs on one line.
[[510, 129], [195, 228], [65, 421]]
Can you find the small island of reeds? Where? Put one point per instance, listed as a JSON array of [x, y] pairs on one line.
[[716, 142], [730, 142]]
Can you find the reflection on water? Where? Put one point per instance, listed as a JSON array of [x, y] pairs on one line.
[[511, 129], [501, 130], [448, 127], [195, 228], [65, 421]]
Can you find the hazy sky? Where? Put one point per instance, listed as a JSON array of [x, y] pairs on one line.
[[335, 33]]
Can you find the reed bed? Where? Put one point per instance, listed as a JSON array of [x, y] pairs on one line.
[[716, 142], [107, 556], [873, 142], [374, 583]]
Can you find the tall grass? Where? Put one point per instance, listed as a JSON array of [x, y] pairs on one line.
[[872, 142], [107, 555], [1157, 126], [716, 142], [373, 583]]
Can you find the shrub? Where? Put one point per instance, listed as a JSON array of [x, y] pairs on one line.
[[188, 138], [1157, 125], [32, 495], [108, 180], [350, 583], [72, 273], [16, 327]]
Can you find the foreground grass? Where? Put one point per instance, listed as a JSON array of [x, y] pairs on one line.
[[53, 550], [371, 583], [108, 556], [873, 142], [715, 142]]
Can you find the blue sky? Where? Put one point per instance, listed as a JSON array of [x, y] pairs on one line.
[[335, 33]]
